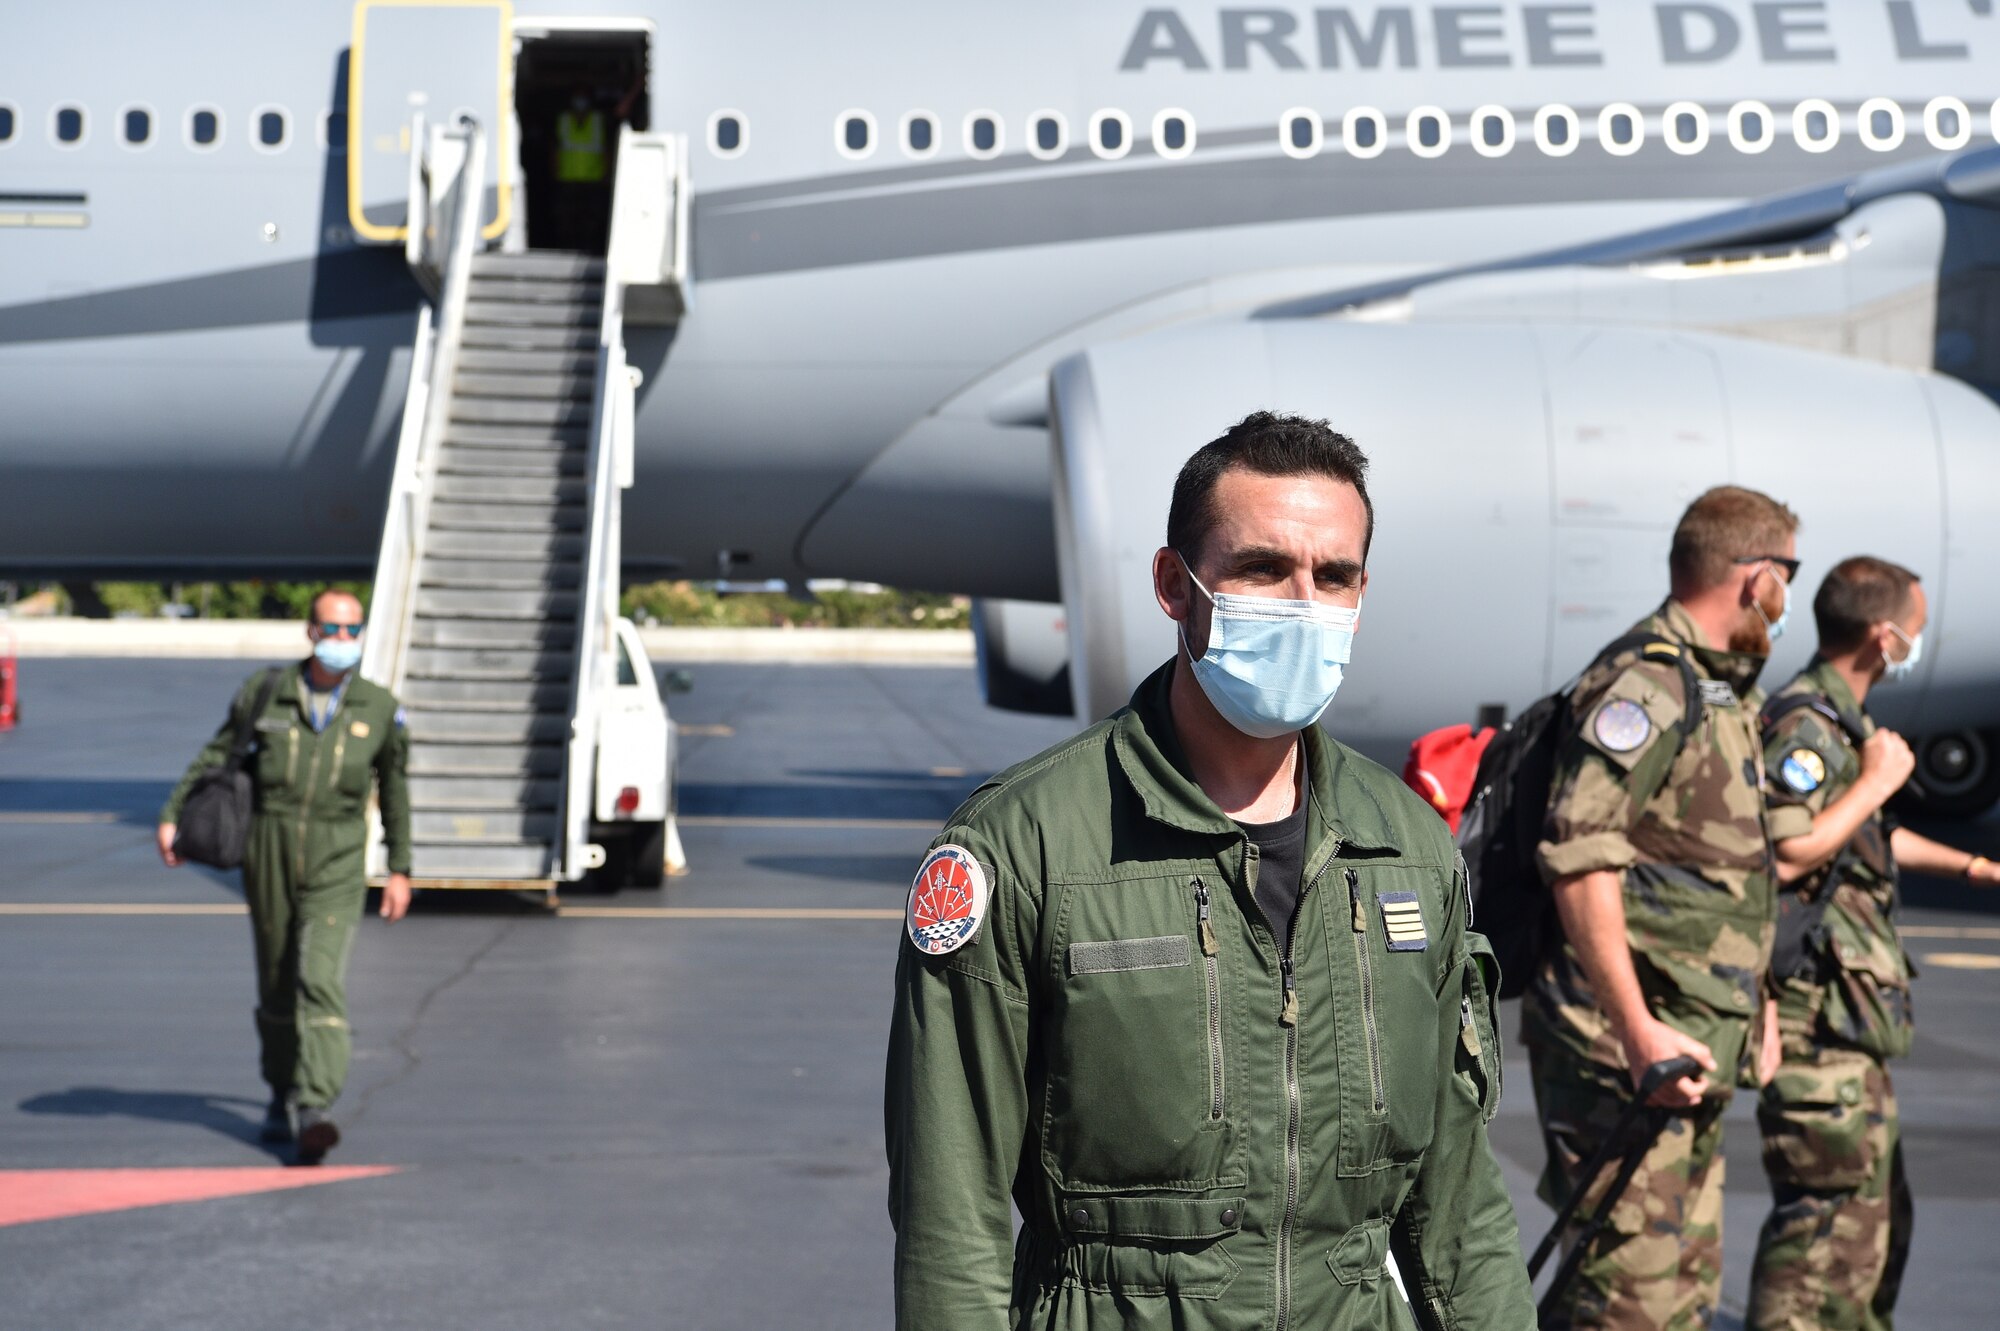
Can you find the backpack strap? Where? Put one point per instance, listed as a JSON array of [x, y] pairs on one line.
[[1803, 935], [246, 724], [1777, 709], [1653, 647]]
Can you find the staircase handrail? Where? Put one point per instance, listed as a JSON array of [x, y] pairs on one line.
[[445, 223], [609, 469]]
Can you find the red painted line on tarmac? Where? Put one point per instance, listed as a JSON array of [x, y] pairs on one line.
[[28, 1195]]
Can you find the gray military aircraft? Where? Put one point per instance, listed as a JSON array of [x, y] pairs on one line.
[[965, 285]]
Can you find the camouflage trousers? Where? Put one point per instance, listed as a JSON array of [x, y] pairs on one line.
[[1657, 1263], [1831, 1253]]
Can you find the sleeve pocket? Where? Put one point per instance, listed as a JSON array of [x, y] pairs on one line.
[[1478, 1057]]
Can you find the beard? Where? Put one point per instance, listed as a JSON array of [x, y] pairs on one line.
[[1751, 637]]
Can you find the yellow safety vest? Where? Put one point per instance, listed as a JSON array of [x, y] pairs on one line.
[[580, 147]]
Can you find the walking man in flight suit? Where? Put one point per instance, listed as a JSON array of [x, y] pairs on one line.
[[1194, 990], [1831, 1253], [323, 739]]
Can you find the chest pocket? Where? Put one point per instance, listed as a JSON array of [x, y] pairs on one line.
[[277, 758], [1381, 941], [1139, 1044], [356, 742]]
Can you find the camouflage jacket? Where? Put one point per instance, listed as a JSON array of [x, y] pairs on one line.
[[1860, 995], [1684, 824]]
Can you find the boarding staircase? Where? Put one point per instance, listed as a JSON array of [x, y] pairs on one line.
[[496, 584]]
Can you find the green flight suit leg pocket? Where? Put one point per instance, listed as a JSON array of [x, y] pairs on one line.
[[326, 940]]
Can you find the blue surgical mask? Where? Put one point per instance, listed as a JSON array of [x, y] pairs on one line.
[[1901, 669], [339, 655], [1272, 666], [1775, 628]]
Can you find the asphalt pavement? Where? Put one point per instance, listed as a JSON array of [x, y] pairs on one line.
[[655, 1109]]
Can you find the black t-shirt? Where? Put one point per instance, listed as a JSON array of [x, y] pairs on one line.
[[1281, 867]]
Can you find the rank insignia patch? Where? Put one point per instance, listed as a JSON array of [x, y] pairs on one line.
[[947, 901], [1622, 725], [1403, 920], [1803, 771], [1716, 692]]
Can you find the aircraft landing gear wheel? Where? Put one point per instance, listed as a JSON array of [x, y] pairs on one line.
[[1959, 771]]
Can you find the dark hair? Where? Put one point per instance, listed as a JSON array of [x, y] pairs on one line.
[[1721, 526], [1856, 595], [1269, 445]]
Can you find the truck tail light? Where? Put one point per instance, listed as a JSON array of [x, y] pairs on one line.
[[628, 801]]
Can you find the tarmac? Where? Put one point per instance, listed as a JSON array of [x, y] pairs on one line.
[[658, 1109]]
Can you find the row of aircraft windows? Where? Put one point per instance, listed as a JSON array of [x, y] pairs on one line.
[[1815, 125], [1428, 131], [137, 126]]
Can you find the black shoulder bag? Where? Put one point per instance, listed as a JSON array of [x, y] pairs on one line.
[[214, 827]]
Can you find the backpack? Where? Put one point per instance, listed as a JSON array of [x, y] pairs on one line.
[[1442, 765], [1502, 826], [1803, 941]]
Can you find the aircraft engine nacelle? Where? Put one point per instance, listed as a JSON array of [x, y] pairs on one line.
[[1526, 480], [1023, 649]]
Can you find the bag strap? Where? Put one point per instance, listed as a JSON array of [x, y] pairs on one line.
[[1777, 709], [1653, 647], [246, 724]]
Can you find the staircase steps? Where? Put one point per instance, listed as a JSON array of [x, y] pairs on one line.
[[489, 670]]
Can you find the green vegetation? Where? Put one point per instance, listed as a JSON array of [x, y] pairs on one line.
[[685, 603], [208, 600], [693, 603]]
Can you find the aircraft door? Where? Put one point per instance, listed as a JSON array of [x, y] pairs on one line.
[[454, 55], [1637, 429]]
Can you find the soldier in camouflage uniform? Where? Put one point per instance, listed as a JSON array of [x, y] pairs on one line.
[[1656, 852], [1831, 1252]]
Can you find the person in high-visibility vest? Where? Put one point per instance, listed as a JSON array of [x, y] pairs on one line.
[[583, 167], [580, 142], [582, 175]]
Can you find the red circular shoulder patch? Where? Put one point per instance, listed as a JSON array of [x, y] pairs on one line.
[[947, 901]]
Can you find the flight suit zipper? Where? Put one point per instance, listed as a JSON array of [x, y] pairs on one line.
[[305, 813], [1365, 963], [1288, 1017], [1214, 986], [312, 780]]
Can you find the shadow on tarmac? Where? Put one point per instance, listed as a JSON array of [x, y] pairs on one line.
[[134, 803], [217, 1113]]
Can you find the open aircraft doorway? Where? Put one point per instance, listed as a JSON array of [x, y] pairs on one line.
[[575, 83]]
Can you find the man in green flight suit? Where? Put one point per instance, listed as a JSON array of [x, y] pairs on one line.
[[1195, 988], [324, 737], [1657, 855], [1831, 1252]]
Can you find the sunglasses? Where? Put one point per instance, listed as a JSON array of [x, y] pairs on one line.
[[1791, 566], [340, 630]]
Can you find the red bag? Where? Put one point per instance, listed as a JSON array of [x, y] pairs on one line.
[[1442, 766]]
